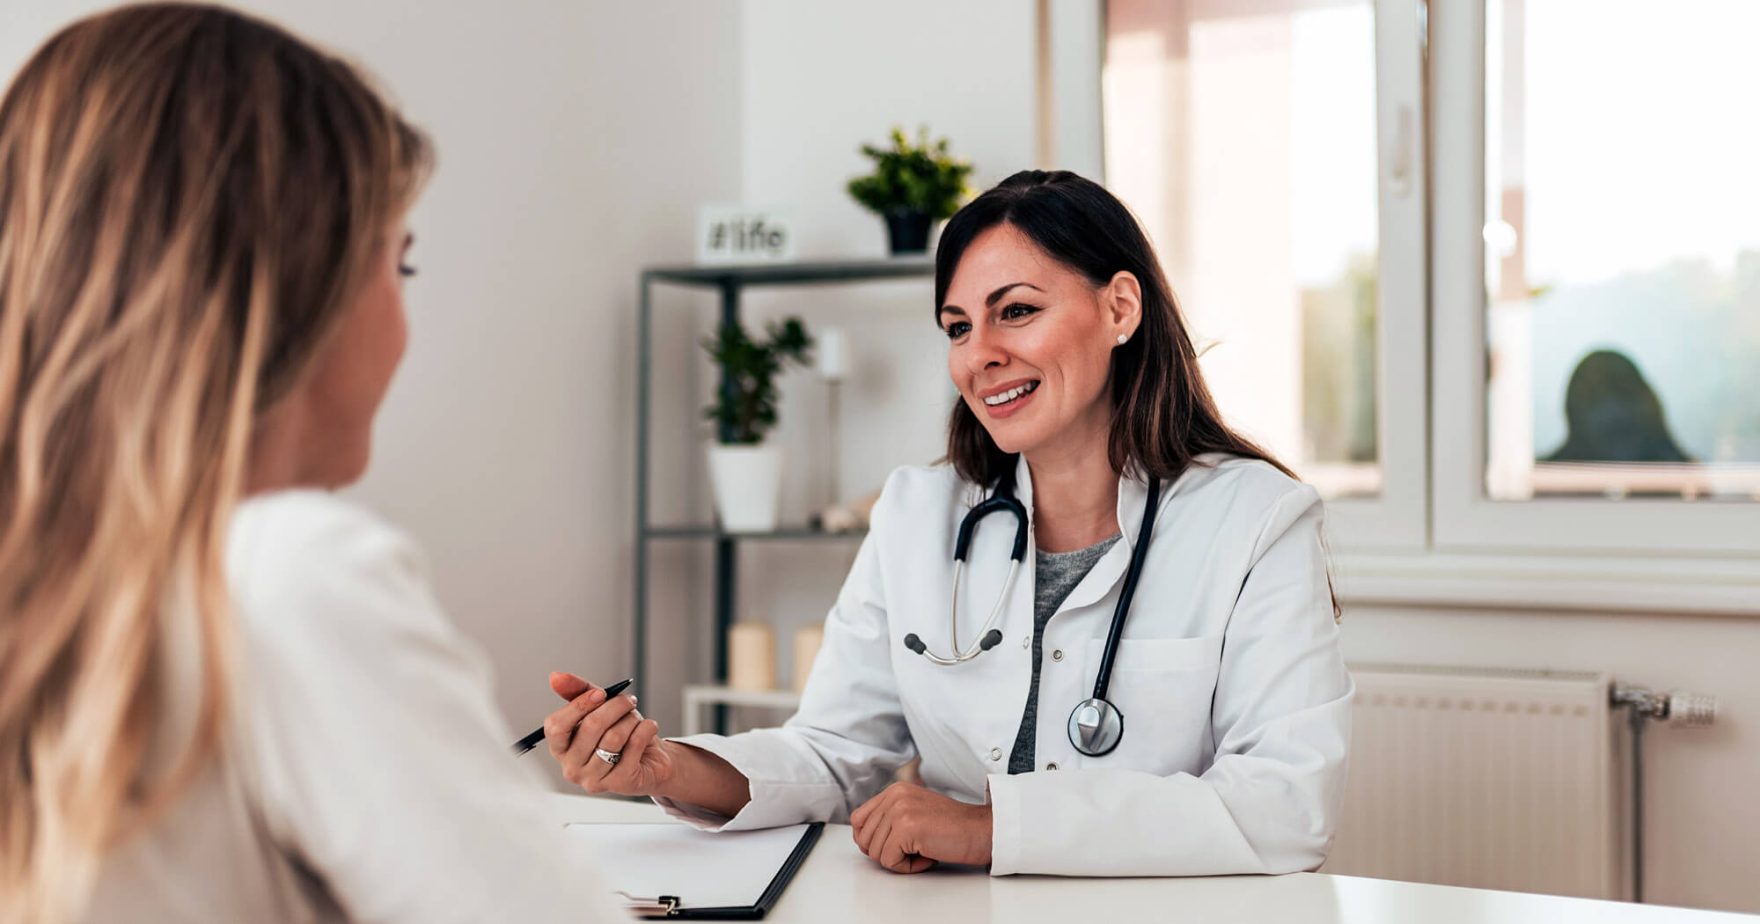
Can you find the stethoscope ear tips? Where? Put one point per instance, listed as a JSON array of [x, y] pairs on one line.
[[990, 640], [916, 644]]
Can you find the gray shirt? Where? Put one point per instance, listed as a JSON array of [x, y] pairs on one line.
[[1055, 575]]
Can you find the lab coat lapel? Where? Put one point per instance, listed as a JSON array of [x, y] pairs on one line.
[[1020, 604], [994, 685], [987, 564], [1110, 569]]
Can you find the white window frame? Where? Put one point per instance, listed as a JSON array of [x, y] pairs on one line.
[[1071, 56], [1397, 518], [1433, 538], [1465, 518]]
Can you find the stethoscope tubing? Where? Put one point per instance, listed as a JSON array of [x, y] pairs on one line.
[[961, 656], [1096, 725], [1103, 677]]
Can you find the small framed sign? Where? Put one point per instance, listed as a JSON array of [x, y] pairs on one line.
[[736, 234]]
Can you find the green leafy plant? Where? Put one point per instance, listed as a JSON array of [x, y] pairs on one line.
[[745, 408], [913, 177]]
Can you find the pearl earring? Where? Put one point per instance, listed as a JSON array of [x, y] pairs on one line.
[[1122, 338]]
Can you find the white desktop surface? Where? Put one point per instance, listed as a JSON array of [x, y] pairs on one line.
[[838, 883]]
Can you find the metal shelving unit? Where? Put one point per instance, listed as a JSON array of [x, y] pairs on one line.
[[730, 281], [696, 696]]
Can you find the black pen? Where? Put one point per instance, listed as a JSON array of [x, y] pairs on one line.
[[531, 741]]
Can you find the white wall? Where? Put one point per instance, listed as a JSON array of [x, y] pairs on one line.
[[818, 80], [575, 141]]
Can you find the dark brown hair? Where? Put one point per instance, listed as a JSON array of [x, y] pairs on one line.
[[1162, 413]]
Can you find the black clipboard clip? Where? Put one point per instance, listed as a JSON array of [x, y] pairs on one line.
[[662, 906]]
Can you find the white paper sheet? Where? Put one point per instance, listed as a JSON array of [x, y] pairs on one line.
[[702, 869]]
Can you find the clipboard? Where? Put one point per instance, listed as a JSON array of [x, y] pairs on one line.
[[720, 869]]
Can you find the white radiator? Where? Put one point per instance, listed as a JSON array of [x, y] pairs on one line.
[[1490, 779]]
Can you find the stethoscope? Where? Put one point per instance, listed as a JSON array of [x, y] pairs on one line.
[[1095, 725]]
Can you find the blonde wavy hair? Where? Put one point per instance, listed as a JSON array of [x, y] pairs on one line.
[[189, 198]]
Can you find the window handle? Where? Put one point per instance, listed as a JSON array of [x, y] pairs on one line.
[[1401, 173]]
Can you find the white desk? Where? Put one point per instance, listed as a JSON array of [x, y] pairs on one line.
[[839, 884]]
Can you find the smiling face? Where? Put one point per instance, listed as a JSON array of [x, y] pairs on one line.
[[1031, 341]]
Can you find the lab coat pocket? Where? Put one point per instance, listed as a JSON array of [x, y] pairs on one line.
[[1164, 687], [1161, 654]]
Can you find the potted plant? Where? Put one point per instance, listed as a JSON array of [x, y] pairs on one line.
[[745, 473], [913, 185]]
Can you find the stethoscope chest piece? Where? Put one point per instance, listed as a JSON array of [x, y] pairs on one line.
[[1095, 727]]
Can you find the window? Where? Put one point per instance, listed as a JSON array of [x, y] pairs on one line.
[[1248, 138], [1597, 278], [1485, 272], [1622, 250]]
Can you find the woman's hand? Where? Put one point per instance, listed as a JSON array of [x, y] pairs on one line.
[[587, 723], [909, 829]]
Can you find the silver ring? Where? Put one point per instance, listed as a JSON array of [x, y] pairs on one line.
[[610, 757]]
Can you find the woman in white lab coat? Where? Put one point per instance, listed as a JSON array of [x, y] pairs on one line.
[[1079, 383]]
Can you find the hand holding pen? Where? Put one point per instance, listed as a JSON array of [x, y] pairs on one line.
[[537, 735], [602, 743]]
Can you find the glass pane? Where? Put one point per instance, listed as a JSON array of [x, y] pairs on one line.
[[1622, 249], [1243, 135]]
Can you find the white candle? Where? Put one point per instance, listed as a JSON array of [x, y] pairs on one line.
[[806, 649], [751, 656], [833, 354]]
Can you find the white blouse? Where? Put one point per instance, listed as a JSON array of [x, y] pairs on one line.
[[367, 776]]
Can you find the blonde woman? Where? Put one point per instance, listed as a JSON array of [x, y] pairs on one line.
[[214, 677]]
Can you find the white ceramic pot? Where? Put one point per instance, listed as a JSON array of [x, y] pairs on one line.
[[748, 486]]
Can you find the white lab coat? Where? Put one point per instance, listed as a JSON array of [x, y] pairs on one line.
[[1235, 698]]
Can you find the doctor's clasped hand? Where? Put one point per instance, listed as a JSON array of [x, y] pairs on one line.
[[909, 829]]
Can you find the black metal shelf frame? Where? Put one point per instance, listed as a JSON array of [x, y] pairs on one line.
[[730, 281], [784, 534]]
